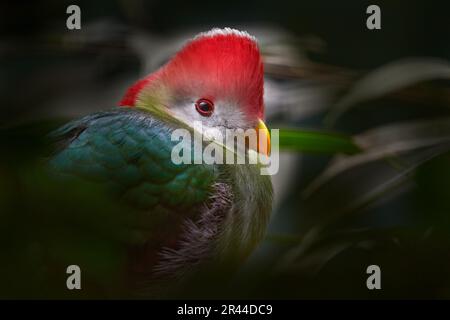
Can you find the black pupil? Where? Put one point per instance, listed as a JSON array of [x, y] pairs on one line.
[[204, 106]]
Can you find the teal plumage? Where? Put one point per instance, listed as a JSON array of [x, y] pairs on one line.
[[130, 151], [192, 212]]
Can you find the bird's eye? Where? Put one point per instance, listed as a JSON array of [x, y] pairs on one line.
[[205, 107]]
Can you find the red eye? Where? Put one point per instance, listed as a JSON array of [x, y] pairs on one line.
[[205, 107]]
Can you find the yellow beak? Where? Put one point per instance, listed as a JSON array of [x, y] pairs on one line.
[[263, 138]]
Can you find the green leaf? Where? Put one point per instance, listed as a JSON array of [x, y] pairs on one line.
[[316, 142]]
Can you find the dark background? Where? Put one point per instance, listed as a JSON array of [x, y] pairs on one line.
[[47, 71]]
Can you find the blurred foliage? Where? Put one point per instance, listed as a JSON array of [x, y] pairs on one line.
[[320, 142], [48, 224], [387, 205], [366, 117]]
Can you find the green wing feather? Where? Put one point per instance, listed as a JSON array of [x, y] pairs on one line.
[[130, 150]]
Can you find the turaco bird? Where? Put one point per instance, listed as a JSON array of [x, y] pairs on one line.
[[193, 214]]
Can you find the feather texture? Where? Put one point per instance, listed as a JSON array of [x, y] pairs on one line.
[[219, 64], [195, 213]]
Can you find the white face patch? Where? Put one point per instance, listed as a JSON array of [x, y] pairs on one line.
[[226, 115]]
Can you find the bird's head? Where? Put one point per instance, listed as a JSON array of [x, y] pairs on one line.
[[217, 79]]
